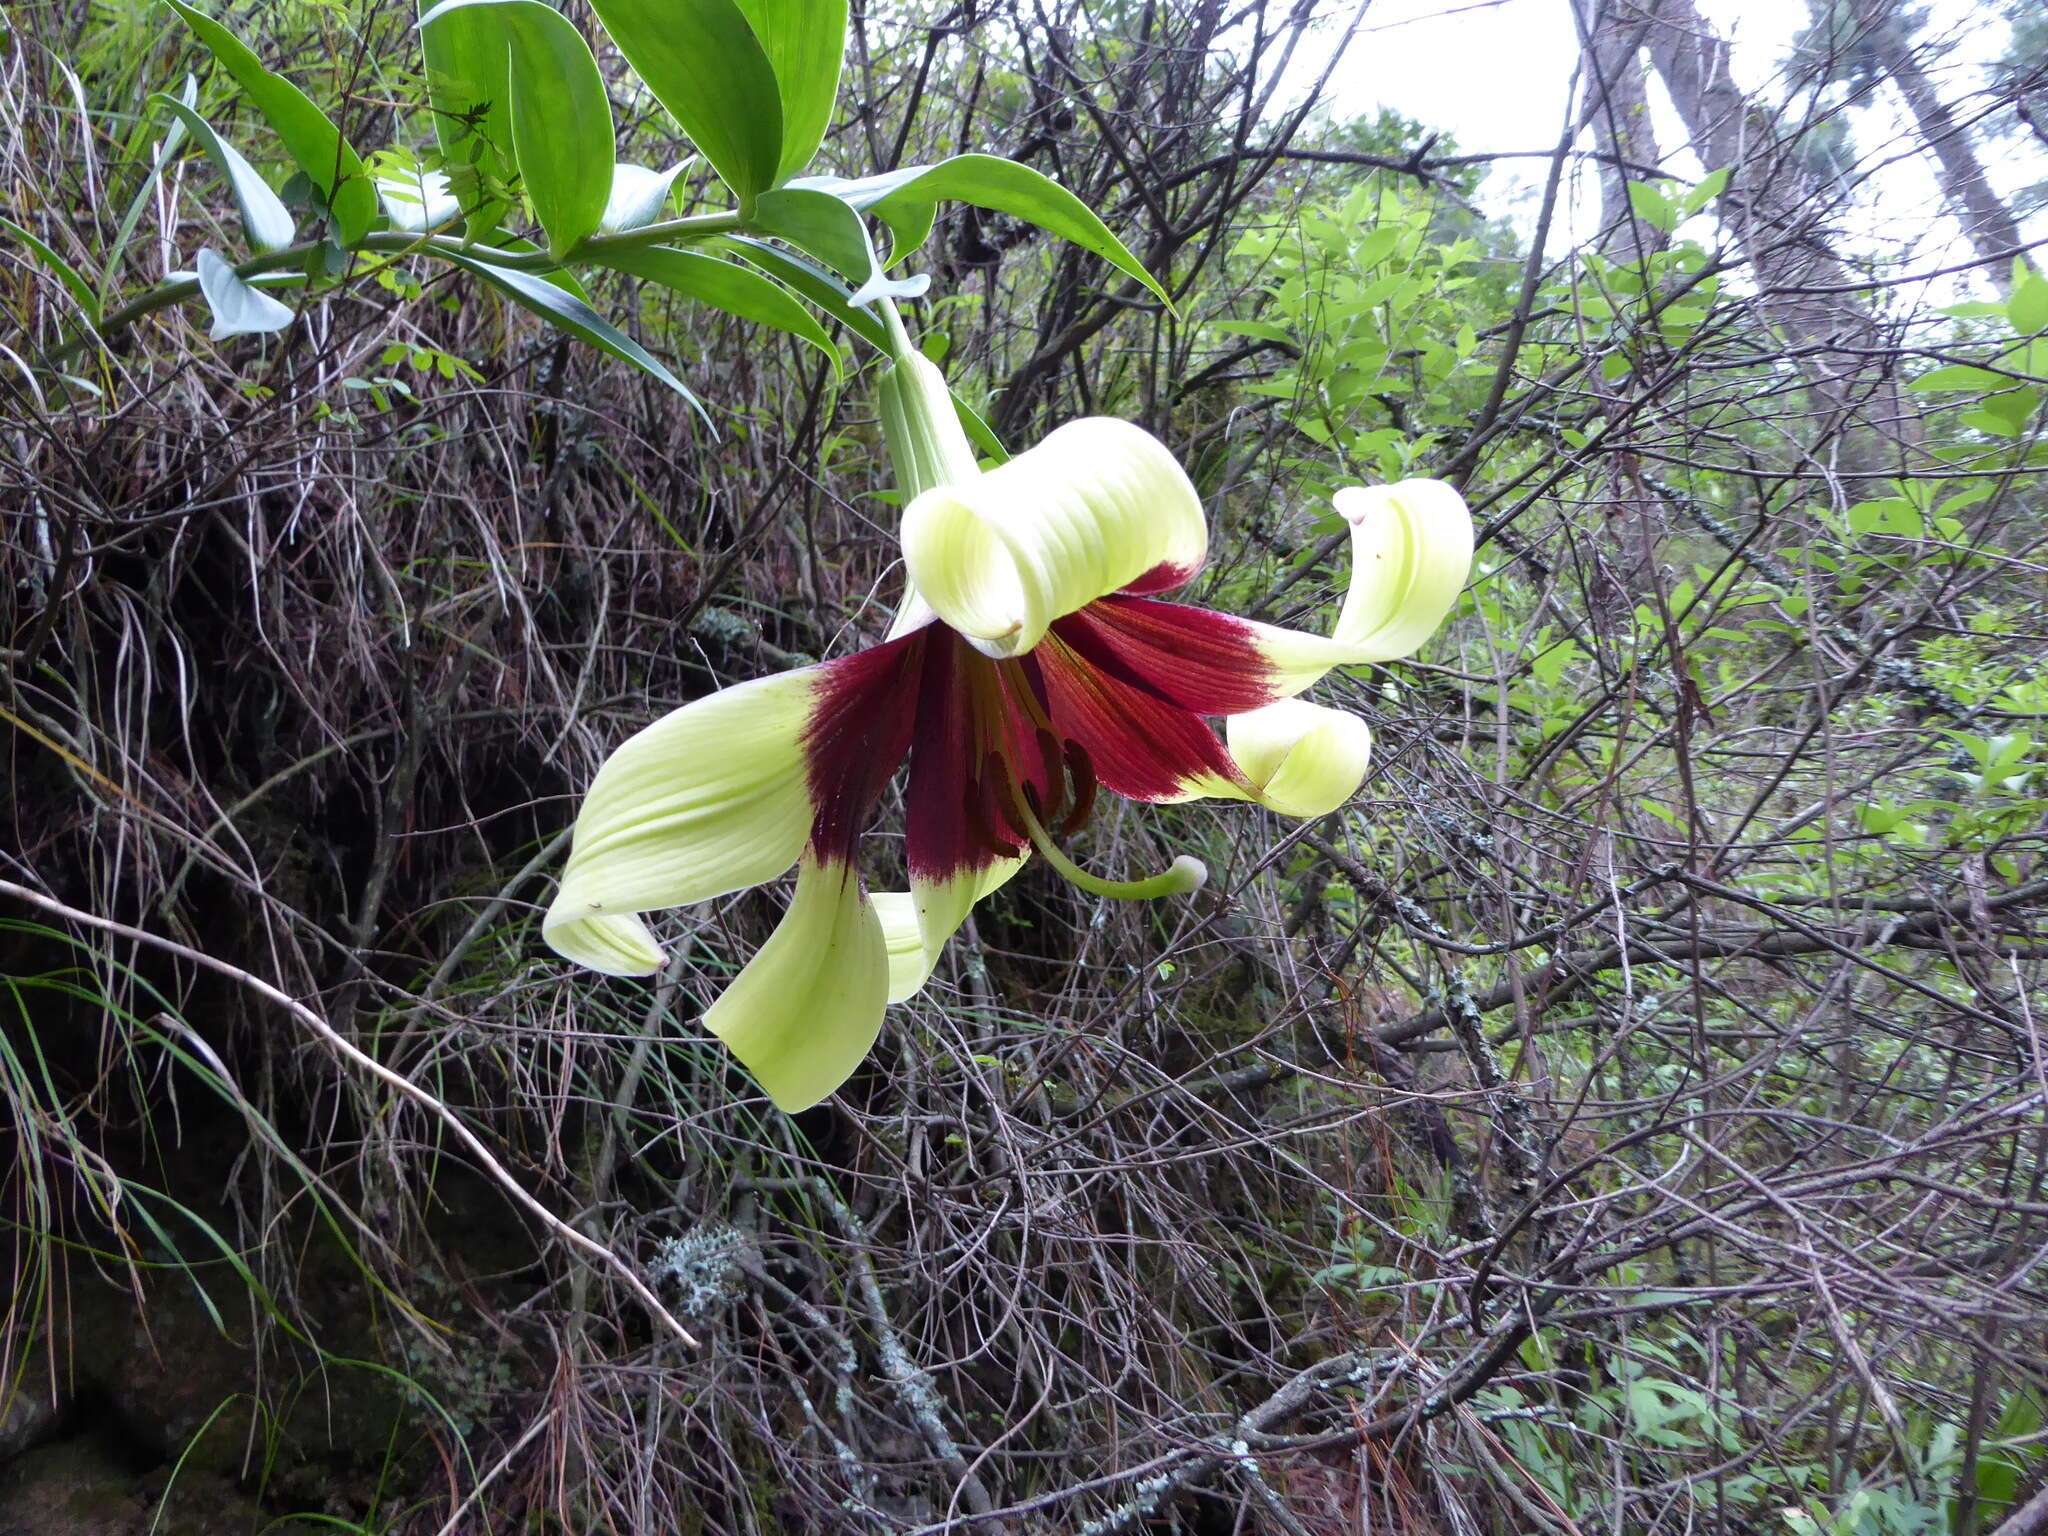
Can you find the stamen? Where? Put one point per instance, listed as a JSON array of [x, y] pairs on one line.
[[982, 825], [1054, 766], [1082, 769], [1183, 877]]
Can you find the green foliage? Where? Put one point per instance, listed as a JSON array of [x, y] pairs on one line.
[[805, 42], [266, 222], [522, 115], [704, 62], [561, 118], [312, 140], [724, 285], [906, 200], [1378, 320], [572, 314]]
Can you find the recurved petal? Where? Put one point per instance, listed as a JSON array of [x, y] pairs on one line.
[[617, 945], [1099, 506], [918, 923], [1301, 759], [1138, 744], [711, 798], [1411, 549], [901, 937], [807, 1008]]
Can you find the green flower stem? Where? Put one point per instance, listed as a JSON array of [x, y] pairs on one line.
[[900, 344], [1183, 877], [927, 445]]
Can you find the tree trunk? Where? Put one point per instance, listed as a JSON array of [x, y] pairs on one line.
[[1611, 36], [1773, 205], [1993, 232]]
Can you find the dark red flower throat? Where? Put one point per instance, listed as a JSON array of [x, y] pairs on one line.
[[1116, 694]]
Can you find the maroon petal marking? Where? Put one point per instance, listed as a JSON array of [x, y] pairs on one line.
[[1206, 662], [1142, 746], [969, 727], [1163, 577], [860, 730]]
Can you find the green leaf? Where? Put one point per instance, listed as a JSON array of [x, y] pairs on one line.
[[238, 308], [638, 196], [805, 41], [1890, 515], [1710, 187], [1259, 330], [1548, 666], [562, 132], [1959, 376], [724, 285], [1003, 186], [314, 143], [979, 432], [571, 314], [833, 297], [825, 226], [703, 62], [265, 219], [1648, 203], [910, 225], [519, 245], [67, 274], [467, 87], [1376, 247], [813, 282], [2027, 309], [2003, 415], [144, 196]]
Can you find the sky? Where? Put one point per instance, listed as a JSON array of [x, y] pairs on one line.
[[1496, 74]]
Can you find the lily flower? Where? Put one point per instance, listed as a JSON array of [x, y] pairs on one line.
[[1032, 664]]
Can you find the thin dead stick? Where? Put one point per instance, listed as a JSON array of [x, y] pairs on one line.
[[383, 1074], [490, 1477]]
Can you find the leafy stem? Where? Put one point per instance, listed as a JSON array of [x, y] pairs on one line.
[[393, 243]]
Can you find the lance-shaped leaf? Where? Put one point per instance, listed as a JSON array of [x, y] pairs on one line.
[[813, 282], [238, 308], [828, 228], [562, 132], [68, 275], [723, 285], [145, 197], [904, 200], [467, 86], [805, 41], [638, 196], [570, 313], [703, 62], [265, 219], [313, 142], [836, 300]]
